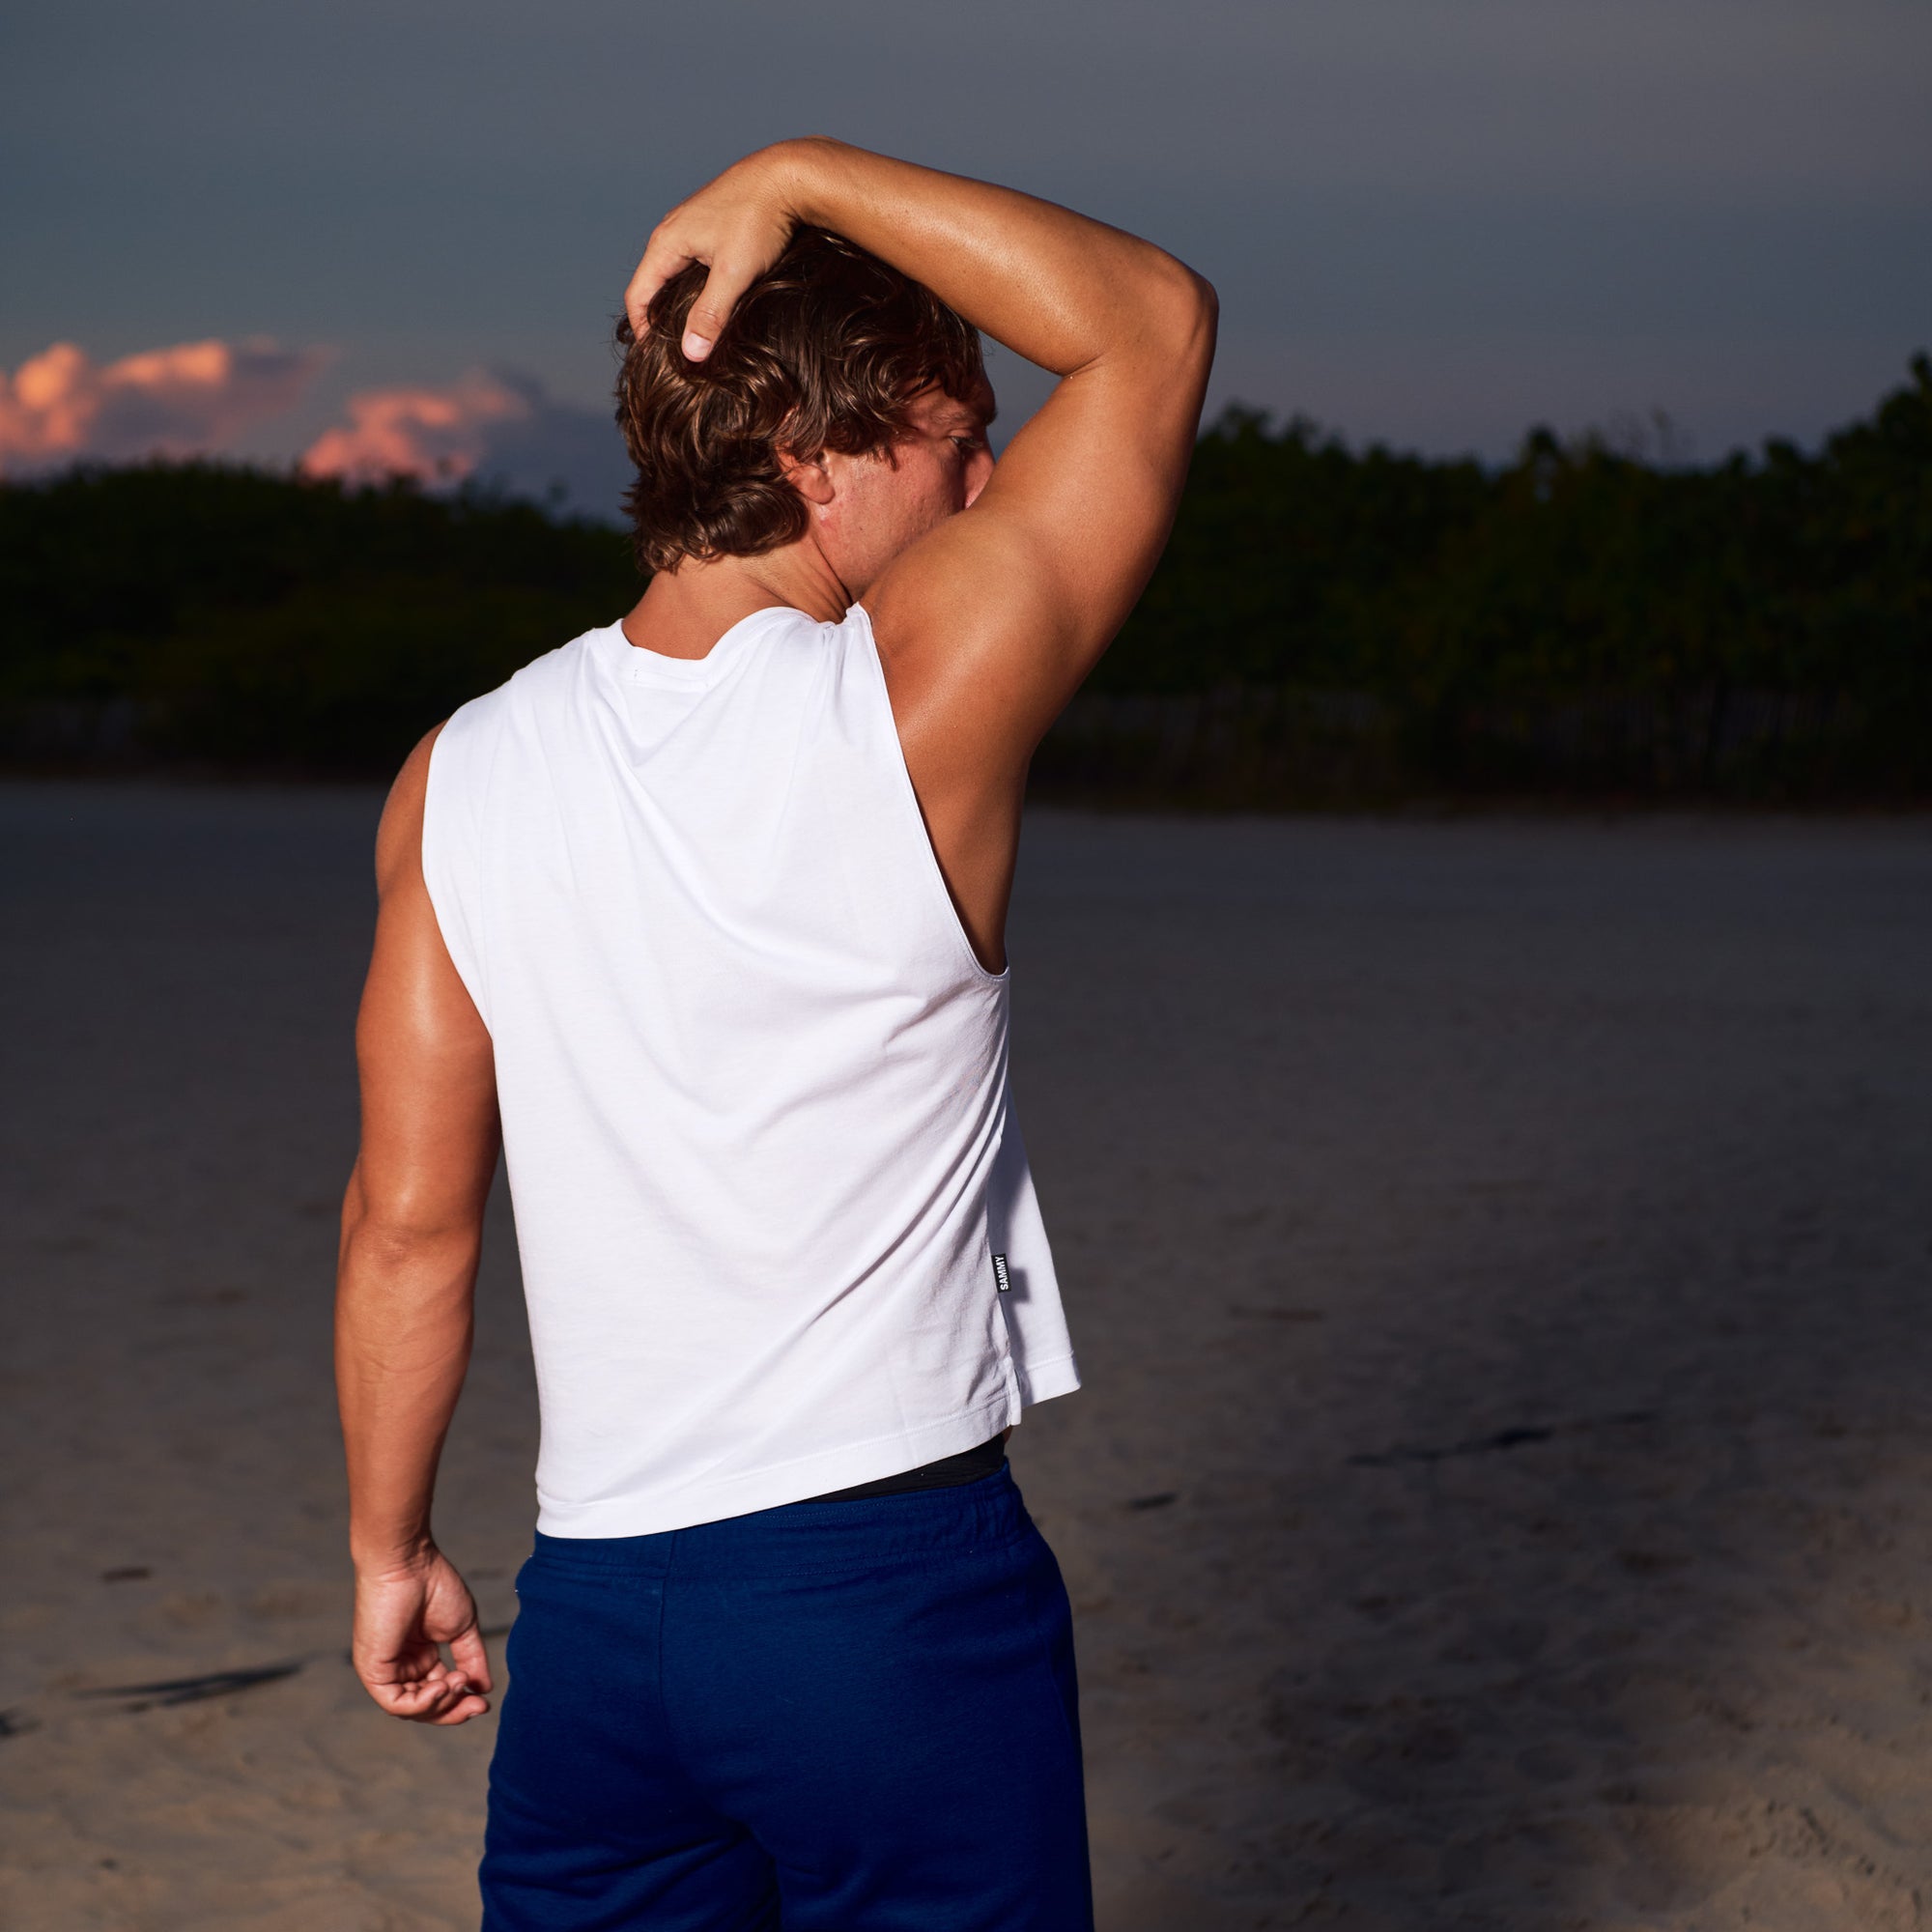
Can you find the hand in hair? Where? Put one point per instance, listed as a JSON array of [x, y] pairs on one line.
[[737, 226]]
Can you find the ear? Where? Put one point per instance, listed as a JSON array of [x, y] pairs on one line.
[[810, 479]]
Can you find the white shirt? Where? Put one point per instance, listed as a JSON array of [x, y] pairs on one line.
[[753, 1084]]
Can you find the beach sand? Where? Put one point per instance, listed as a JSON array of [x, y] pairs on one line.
[[1498, 1253]]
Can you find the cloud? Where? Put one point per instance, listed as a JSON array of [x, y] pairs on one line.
[[502, 430], [188, 400], [193, 399], [438, 435]]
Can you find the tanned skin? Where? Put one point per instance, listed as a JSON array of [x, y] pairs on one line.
[[992, 591]]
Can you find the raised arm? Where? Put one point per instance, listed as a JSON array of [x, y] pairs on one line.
[[989, 624], [412, 1231]]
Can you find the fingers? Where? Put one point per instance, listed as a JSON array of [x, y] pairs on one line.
[[712, 309], [737, 225], [663, 259], [399, 1619], [737, 228], [449, 1701], [439, 1697], [473, 1661], [455, 1701], [723, 286]]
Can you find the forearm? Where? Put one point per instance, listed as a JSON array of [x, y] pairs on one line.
[[403, 1319], [1056, 288]]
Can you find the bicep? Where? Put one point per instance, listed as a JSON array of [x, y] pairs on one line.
[[424, 1056], [992, 621]]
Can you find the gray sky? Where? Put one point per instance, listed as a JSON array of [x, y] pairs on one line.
[[1431, 221]]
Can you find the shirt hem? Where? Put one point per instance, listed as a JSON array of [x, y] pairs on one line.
[[794, 1482], [1041, 1382]]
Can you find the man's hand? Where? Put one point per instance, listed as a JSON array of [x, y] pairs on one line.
[[737, 226], [402, 1615]]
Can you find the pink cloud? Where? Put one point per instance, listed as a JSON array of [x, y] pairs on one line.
[[438, 434], [187, 400], [195, 398], [502, 429]]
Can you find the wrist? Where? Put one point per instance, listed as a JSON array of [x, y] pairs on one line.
[[802, 172], [379, 1557]]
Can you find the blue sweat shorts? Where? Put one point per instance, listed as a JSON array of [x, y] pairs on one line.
[[828, 1717]]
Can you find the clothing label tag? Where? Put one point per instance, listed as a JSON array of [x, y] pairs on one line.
[[1000, 1280]]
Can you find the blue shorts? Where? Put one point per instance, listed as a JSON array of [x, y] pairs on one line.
[[830, 1716]]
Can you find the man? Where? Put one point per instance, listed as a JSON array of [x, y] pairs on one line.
[[705, 912]]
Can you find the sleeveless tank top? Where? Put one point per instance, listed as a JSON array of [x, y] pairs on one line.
[[778, 1231]]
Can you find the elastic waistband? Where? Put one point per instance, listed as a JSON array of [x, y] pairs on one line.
[[943, 1472], [796, 1538]]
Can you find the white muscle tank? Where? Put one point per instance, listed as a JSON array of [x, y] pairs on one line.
[[753, 1080]]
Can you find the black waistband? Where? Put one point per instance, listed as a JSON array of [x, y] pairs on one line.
[[967, 1466]]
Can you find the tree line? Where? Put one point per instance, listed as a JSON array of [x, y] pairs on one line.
[[1327, 625]]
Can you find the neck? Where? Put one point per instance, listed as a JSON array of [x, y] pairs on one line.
[[684, 611]]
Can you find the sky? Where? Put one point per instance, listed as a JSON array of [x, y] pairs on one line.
[[374, 235]]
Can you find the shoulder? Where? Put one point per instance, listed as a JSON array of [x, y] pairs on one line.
[[852, 640], [464, 741], [799, 649], [543, 680], [543, 675], [399, 834]]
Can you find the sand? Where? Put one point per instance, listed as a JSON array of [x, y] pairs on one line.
[[1498, 1253]]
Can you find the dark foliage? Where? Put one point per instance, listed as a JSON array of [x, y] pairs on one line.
[[228, 616], [1326, 624]]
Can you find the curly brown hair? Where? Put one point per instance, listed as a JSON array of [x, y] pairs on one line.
[[824, 353]]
